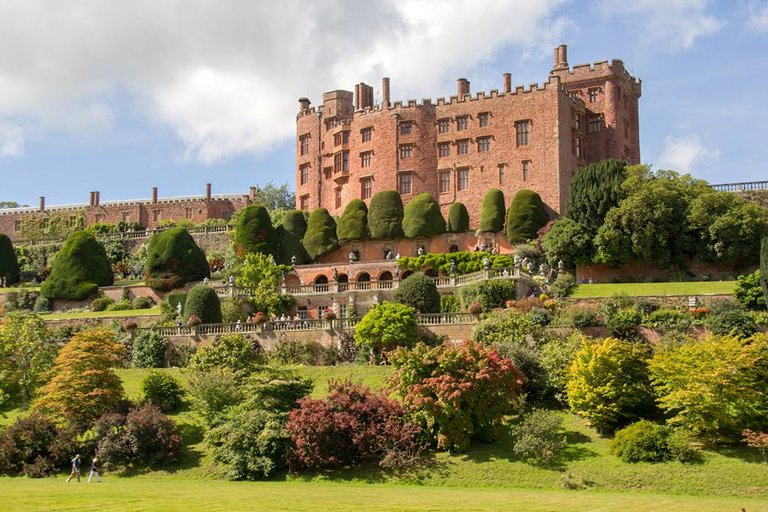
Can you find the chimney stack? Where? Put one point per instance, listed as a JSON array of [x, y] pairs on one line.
[[207, 190], [96, 198], [357, 97], [42, 203], [507, 82], [363, 96], [385, 91], [92, 199], [154, 195], [561, 57], [252, 193], [462, 85], [303, 104]]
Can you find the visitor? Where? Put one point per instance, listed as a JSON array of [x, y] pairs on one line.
[[420, 251], [238, 325], [76, 462], [397, 256], [94, 471], [231, 280], [205, 280]]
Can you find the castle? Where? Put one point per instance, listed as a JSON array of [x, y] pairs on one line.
[[457, 148]]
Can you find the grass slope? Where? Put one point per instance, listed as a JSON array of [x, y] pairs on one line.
[[103, 314], [655, 289]]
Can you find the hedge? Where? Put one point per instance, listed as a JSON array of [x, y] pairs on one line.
[[422, 217], [458, 218], [290, 234], [385, 215], [203, 302], [321, 234], [419, 292], [764, 265], [254, 232], [174, 259], [492, 211], [79, 268], [525, 217], [9, 265], [491, 294], [354, 221]]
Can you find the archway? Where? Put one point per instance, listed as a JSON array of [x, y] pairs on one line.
[[385, 280], [430, 272], [321, 283], [343, 281], [292, 282], [406, 274], [363, 281]]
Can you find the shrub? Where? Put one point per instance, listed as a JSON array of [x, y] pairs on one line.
[[490, 294], [254, 232], [310, 353], [643, 441], [387, 326], [162, 390], [465, 262], [764, 265], [506, 328], [321, 234], [526, 215], [449, 304], [569, 242], [419, 292], [42, 305], [232, 311], [34, 446], [527, 360], [581, 318], [234, 352], [385, 215], [142, 303], [492, 211], [101, 303], [563, 285], [665, 319], [475, 309], [78, 269], [214, 391], [758, 441], [422, 217], [176, 298], [594, 191], [352, 426], [623, 322], [148, 350], [556, 359], [354, 222], [458, 218], [203, 302], [539, 436], [9, 264], [123, 305], [290, 234], [194, 321], [730, 318], [749, 291], [174, 259]]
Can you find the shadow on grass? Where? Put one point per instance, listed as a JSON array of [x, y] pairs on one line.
[[741, 453], [427, 467]]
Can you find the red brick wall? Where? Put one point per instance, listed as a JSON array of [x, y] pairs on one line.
[[636, 272]]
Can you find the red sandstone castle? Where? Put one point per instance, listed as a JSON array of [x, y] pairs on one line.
[[457, 148]]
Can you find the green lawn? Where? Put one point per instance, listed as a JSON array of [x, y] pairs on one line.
[[19, 288], [103, 314], [654, 289]]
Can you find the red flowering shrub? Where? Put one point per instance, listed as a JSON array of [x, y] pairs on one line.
[[758, 441], [329, 315], [353, 425], [476, 308], [461, 392], [701, 312], [259, 318], [194, 321]]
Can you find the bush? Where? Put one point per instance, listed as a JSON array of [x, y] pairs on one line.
[[310, 353], [174, 259], [387, 326], [449, 304], [623, 322], [254, 232], [354, 222], [78, 269], [492, 212], [594, 191], [526, 215], [581, 318], [162, 390], [539, 436], [320, 237], [764, 265], [465, 261], [290, 234], [232, 311], [490, 294], [527, 360], [569, 242], [233, 352], [643, 441], [142, 303], [506, 328], [419, 292], [670, 319], [203, 302], [749, 291], [34, 446], [123, 305], [214, 391], [101, 303], [422, 217], [9, 264], [458, 218], [42, 305], [385, 215], [556, 357], [148, 350], [563, 285], [730, 318]]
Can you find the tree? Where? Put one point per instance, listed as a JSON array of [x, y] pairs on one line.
[[290, 235], [262, 276], [492, 211], [749, 291], [78, 269], [203, 302], [594, 191], [764, 264], [274, 197], [84, 384], [387, 326], [385, 215], [491, 294], [321, 234], [174, 259], [458, 218], [422, 217], [354, 221], [148, 350], [419, 292], [525, 217], [26, 354], [9, 265], [234, 352], [569, 242], [9, 204], [254, 232]]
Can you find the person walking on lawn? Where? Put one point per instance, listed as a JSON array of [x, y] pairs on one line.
[[76, 462], [94, 471]]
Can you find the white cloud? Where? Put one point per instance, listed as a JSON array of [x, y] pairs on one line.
[[11, 140], [225, 76], [758, 18], [684, 153], [674, 23]]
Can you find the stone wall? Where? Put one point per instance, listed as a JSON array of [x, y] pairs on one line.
[[636, 272]]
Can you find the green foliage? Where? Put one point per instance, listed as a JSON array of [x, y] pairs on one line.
[[214, 391], [608, 383], [234, 352], [262, 275], [422, 217], [387, 326], [52, 224], [354, 221], [563, 285], [9, 264], [419, 292], [458, 218], [203, 302], [526, 216], [508, 327], [385, 215], [539, 437], [491, 294], [274, 197], [309, 353], [148, 350], [449, 303], [35, 260], [42, 305], [556, 359], [142, 303], [764, 264], [569, 242], [174, 259], [321, 234], [596, 189], [714, 387], [466, 262], [232, 311], [642, 441], [670, 319], [290, 235], [749, 291], [492, 211], [254, 232], [162, 390], [79, 268], [730, 318], [623, 322], [101, 303]]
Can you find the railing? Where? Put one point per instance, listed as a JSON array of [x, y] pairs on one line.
[[445, 319], [132, 235], [741, 187]]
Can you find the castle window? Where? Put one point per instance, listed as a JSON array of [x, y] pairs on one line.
[[365, 159], [155, 215], [592, 95], [327, 172], [124, 217], [17, 225], [578, 121], [483, 119], [463, 179], [188, 213], [445, 182], [366, 134], [462, 123], [626, 129], [462, 147], [341, 138], [521, 130], [302, 311], [443, 125], [366, 188], [337, 195], [404, 183], [526, 165], [304, 174], [444, 149], [578, 147], [341, 161], [406, 151], [595, 123], [406, 127], [502, 177], [304, 144], [483, 144], [304, 202], [46, 222]]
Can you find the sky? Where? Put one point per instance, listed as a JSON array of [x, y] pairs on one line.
[[123, 96]]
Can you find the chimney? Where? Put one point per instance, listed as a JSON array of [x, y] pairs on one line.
[[303, 104], [42, 203], [92, 199], [252, 193], [385, 91], [561, 57], [357, 96], [154, 195], [507, 82], [462, 85], [207, 190], [96, 198]]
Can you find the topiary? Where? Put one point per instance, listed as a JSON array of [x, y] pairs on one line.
[[492, 211], [254, 232], [290, 234], [354, 221], [419, 292], [79, 268], [458, 218], [203, 302], [9, 265], [174, 259], [525, 217], [321, 234], [422, 217], [385, 215]]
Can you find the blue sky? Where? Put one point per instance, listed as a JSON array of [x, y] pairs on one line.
[[122, 96]]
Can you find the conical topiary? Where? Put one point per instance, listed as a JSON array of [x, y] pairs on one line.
[[422, 217], [458, 218], [9, 264], [203, 302], [290, 234], [385, 215], [174, 259], [525, 217], [320, 237], [254, 232], [492, 212], [354, 221], [78, 269]]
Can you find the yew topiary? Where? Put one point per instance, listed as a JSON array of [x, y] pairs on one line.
[[354, 221], [321, 234], [254, 232], [78, 269], [422, 217], [290, 234], [525, 217], [492, 212], [174, 259], [385, 215], [458, 218], [203, 302], [9, 265], [419, 292]]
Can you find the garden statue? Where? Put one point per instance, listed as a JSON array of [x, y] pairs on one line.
[[420, 251], [561, 266], [397, 272], [516, 259], [293, 260], [205, 280], [486, 263], [453, 267], [397, 257], [335, 274], [231, 280], [352, 256], [542, 269], [178, 309]]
